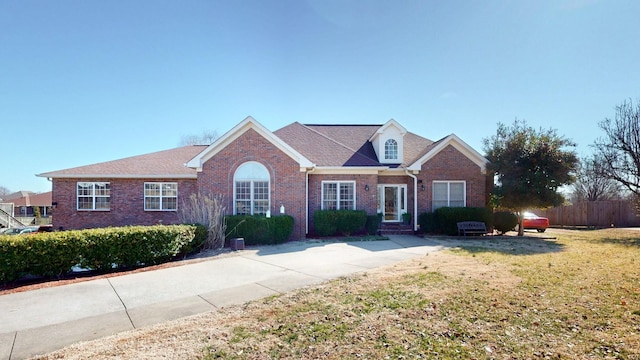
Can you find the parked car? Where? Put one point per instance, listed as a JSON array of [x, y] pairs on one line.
[[13, 231], [533, 221], [45, 228], [28, 230]]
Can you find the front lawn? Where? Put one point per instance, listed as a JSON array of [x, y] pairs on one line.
[[573, 297]]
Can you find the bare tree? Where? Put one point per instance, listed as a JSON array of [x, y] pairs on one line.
[[206, 138], [619, 149], [593, 184], [4, 192]]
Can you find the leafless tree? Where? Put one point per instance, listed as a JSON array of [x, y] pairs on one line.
[[619, 149], [3, 192], [593, 184], [206, 138]]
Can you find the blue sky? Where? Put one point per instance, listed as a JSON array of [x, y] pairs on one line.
[[88, 81]]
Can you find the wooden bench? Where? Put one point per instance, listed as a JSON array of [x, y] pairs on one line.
[[471, 228]]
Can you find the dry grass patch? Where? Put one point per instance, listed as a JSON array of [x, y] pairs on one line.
[[502, 298]]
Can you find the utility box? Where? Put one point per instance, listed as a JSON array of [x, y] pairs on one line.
[[237, 244]]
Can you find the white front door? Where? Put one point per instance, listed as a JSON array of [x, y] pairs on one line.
[[392, 202]]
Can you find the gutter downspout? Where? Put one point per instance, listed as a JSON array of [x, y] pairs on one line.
[[306, 200], [415, 199]]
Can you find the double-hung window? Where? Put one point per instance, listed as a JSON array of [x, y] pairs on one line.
[[251, 189], [448, 193], [160, 196], [338, 195], [93, 196]]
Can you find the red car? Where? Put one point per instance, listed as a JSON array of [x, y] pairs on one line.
[[533, 221]]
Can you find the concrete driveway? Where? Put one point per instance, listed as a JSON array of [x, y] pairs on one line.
[[44, 320]]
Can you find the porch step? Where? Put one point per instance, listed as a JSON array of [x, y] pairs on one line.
[[396, 229]]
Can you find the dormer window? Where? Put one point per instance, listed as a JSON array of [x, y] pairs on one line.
[[391, 150], [388, 143]]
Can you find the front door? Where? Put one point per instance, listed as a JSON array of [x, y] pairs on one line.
[[392, 202]]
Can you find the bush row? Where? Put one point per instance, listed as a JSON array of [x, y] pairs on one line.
[[259, 230], [56, 253], [444, 220]]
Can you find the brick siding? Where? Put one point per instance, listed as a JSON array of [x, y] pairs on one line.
[[127, 204], [287, 181], [451, 164], [287, 187]]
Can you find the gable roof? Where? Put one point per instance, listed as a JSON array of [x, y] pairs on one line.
[[161, 164], [345, 145], [16, 195], [231, 135], [457, 143], [332, 145], [386, 125], [311, 145], [33, 199]]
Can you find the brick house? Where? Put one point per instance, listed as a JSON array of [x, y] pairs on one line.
[[295, 170]]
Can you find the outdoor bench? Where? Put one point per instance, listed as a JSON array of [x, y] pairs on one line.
[[471, 228]]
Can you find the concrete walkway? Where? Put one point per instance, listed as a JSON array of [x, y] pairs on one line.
[[40, 321]]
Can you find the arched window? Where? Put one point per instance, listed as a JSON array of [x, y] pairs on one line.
[[391, 150], [251, 189]]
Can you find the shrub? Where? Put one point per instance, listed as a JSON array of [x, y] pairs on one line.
[[339, 222], [201, 233], [428, 223], [504, 221], [260, 230], [444, 220], [55, 253], [373, 224], [325, 222], [41, 254], [126, 247], [351, 221]]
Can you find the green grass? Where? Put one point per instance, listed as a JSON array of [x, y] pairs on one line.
[[576, 297]]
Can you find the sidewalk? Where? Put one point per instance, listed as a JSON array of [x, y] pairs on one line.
[[40, 321]]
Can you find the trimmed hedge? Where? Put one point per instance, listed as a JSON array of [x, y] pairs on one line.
[[260, 230], [373, 224], [339, 222], [55, 253], [444, 220], [40, 254], [199, 239], [134, 246], [504, 221]]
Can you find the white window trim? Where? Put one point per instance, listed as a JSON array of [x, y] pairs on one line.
[[93, 195], [144, 195], [252, 181], [338, 182], [396, 150], [449, 182]]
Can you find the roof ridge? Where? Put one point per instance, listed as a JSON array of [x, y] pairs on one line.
[[378, 125], [328, 138]]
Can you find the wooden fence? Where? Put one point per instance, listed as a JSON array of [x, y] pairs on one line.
[[610, 213]]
